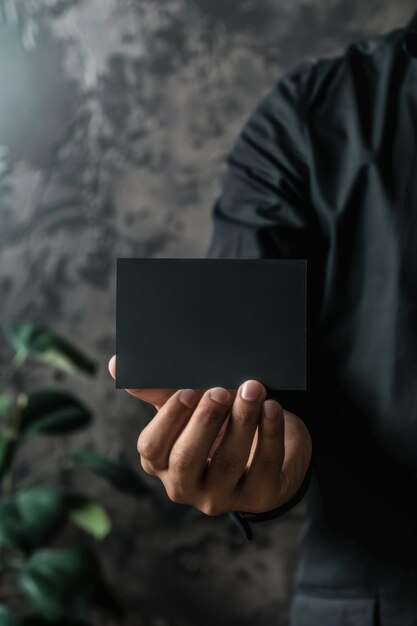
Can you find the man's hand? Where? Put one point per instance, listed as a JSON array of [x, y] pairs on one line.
[[222, 450]]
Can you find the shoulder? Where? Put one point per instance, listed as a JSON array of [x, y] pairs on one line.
[[304, 82]]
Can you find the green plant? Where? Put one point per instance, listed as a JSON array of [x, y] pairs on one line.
[[50, 585]]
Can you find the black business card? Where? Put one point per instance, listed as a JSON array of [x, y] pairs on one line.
[[203, 323]]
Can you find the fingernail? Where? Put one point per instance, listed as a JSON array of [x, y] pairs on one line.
[[251, 390], [188, 397], [270, 409], [220, 395]]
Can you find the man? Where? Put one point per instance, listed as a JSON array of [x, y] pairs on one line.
[[325, 168]]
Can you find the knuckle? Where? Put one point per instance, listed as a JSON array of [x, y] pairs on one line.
[[147, 448], [226, 463], [181, 462], [176, 494], [208, 413], [147, 467], [244, 417], [211, 508]]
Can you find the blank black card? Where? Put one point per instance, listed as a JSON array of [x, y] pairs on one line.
[[203, 323]]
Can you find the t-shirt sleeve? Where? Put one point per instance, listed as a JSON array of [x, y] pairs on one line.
[[263, 208]]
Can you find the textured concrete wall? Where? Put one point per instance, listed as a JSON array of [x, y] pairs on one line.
[[115, 120]]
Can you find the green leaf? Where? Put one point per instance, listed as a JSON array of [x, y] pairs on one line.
[[41, 510], [49, 347], [6, 402], [30, 517], [7, 618], [11, 531], [88, 515], [60, 583], [52, 412], [63, 584], [117, 472]]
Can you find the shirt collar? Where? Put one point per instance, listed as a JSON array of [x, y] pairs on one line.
[[410, 35]]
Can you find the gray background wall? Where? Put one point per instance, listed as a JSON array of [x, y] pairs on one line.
[[115, 120]]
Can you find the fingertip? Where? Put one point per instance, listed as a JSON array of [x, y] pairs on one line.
[[112, 366], [272, 408], [253, 389]]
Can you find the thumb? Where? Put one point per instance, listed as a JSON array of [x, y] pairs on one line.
[[157, 397]]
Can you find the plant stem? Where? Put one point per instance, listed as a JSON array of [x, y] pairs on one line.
[[17, 361]]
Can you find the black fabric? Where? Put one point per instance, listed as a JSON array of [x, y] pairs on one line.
[[410, 38], [309, 609], [325, 169]]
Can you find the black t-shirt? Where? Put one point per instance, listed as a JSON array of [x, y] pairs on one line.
[[325, 168]]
